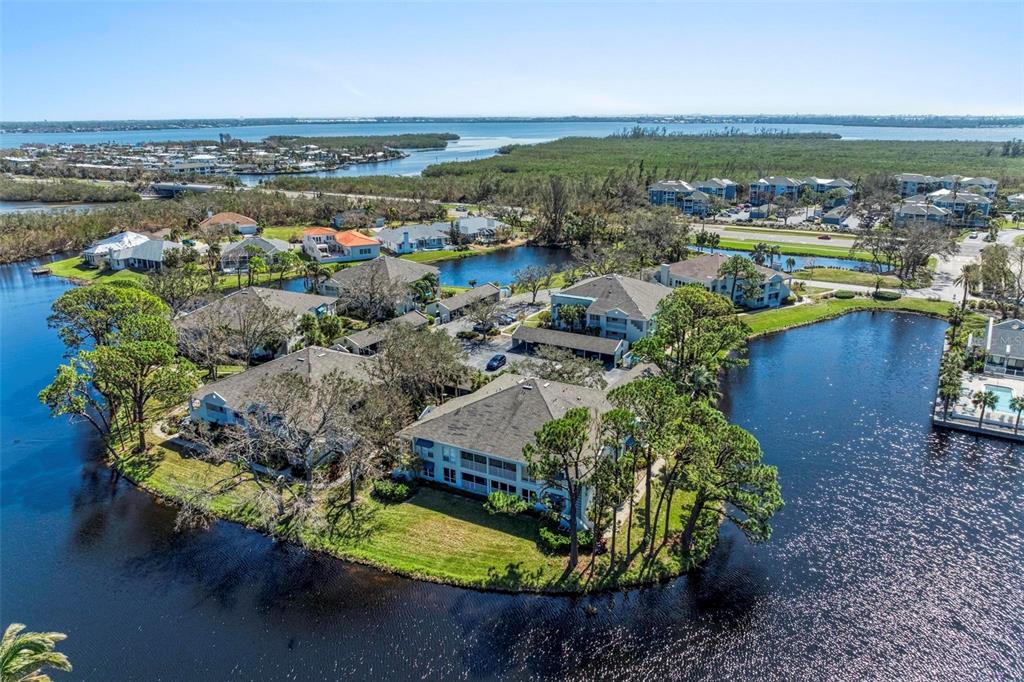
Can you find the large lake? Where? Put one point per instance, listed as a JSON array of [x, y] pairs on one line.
[[899, 554], [480, 139]]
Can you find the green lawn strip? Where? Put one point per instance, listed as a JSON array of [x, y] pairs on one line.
[[74, 268], [793, 249], [450, 254], [770, 230], [285, 232], [435, 535], [779, 319], [840, 276]]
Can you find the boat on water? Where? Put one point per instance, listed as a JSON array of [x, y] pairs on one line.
[[40, 271]]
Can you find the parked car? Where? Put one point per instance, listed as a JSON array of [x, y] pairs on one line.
[[824, 236], [482, 327], [506, 319], [496, 362], [974, 235]]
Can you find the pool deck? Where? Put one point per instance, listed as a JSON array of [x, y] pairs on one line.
[[963, 416]]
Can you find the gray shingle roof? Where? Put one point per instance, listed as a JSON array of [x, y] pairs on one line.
[[396, 270], [470, 297], [292, 301], [152, 250], [634, 297], [313, 363], [264, 244], [395, 235], [672, 186], [560, 339], [373, 335], [705, 267], [1008, 333], [503, 416]]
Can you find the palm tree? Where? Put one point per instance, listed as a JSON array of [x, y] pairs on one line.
[[286, 262], [23, 656], [772, 253], [790, 264], [984, 400], [314, 275], [969, 276], [760, 253], [1017, 405]]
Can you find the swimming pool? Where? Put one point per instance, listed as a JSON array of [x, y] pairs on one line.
[[1003, 395]]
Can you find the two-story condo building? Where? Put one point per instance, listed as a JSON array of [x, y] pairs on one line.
[[1003, 345], [705, 271], [965, 208], [774, 187], [912, 184], [378, 273], [975, 185], [617, 307], [918, 209], [236, 309], [326, 245], [475, 442], [691, 199], [723, 188], [227, 400]]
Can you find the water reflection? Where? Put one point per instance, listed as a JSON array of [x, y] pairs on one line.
[[898, 555]]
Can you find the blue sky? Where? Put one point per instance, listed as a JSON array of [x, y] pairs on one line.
[[87, 60]]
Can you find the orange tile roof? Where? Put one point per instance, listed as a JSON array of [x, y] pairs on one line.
[[228, 217], [318, 230], [355, 238]]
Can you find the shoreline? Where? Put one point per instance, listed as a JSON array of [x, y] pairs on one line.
[[310, 541]]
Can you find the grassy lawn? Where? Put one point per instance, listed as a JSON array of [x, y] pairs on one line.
[[768, 321], [770, 230], [450, 254], [73, 268], [434, 535], [286, 232], [866, 279], [796, 249]]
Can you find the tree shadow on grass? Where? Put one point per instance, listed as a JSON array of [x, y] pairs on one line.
[[139, 465], [349, 523], [471, 511], [514, 576]]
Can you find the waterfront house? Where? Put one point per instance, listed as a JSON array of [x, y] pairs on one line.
[[774, 187], [413, 238], [704, 271], [617, 307], [226, 401], [475, 442], [146, 256], [234, 310], [380, 271], [367, 341], [327, 245], [1016, 201], [98, 253], [1003, 345], [448, 309], [480, 229], [234, 256], [235, 222]]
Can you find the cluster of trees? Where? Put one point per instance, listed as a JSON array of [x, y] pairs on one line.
[[63, 190], [664, 430], [304, 441], [905, 247], [999, 275], [123, 362]]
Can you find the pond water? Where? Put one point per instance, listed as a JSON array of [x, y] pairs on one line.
[[899, 554], [496, 266], [805, 261]]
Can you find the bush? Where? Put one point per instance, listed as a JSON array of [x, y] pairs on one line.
[[887, 296], [789, 300], [391, 491], [844, 294], [505, 503], [468, 335], [544, 318], [554, 540]]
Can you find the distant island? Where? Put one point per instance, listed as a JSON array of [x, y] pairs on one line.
[[901, 121]]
